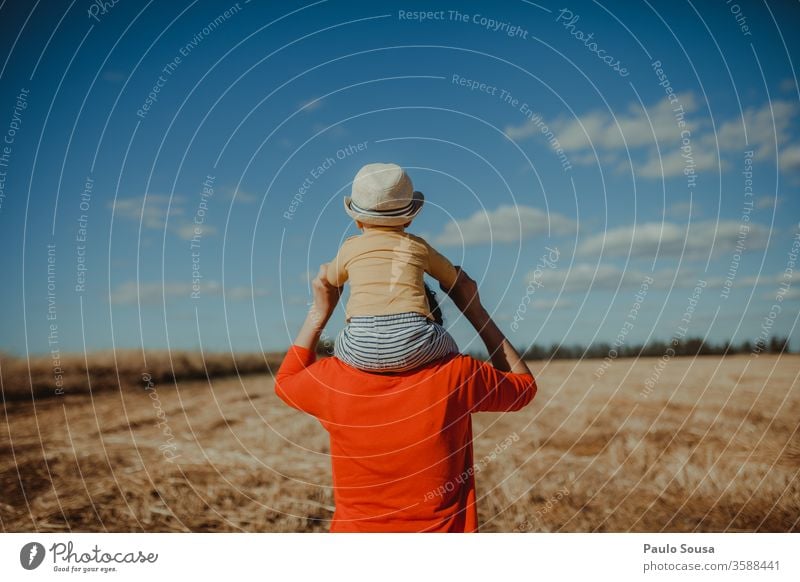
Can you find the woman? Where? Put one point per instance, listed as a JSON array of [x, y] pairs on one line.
[[401, 443]]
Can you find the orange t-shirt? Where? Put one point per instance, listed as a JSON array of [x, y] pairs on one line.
[[401, 444]]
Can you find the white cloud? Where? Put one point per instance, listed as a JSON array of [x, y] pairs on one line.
[[504, 224], [609, 131], [606, 277], [559, 303], [243, 197], [187, 231], [245, 292], [585, 159], [520, 132], [765, 126], [791, 294], [580, 133], [311, 105], [751, 281], [788, 84], [153, 214], [672, 163], [767, 202], [762, 279], [238, 196], [790, 158], [150, 293], [669, 239]]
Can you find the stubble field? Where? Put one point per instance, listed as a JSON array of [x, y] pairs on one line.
[[713, 447]]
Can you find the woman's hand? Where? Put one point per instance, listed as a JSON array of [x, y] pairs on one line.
[[324, 299]]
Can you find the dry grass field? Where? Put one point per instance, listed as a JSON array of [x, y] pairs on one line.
[[714, 447]]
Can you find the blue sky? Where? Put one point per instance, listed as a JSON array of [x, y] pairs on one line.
[[616, 134]]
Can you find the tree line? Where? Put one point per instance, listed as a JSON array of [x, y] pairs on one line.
[[692, 346]]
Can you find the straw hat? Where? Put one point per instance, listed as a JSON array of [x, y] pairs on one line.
[[383, 195]]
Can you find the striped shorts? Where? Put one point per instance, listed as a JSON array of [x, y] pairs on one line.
[[392, 343]]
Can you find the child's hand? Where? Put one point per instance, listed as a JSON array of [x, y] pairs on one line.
[[326, 296]]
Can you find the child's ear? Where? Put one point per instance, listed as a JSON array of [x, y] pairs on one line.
[[407, 224], [359, 225]]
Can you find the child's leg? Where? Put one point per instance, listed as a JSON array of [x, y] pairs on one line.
[[357, 344], [393, 343], [433, 345]]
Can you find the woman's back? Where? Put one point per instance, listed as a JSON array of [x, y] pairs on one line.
[[401, 444]]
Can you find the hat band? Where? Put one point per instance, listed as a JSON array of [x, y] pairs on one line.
[[404, 211]]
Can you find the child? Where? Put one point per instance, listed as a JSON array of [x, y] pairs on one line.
[[390, 327]]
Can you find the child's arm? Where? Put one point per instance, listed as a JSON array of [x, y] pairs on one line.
[[441, 269], [336, 272]]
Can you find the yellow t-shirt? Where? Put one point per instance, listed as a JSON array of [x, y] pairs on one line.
[[385, 267]]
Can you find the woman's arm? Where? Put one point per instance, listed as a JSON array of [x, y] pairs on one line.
[[440, 268], [295, 383], [505, 357], [325, 298]]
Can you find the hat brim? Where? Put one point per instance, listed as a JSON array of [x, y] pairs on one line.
[[381, 219]]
